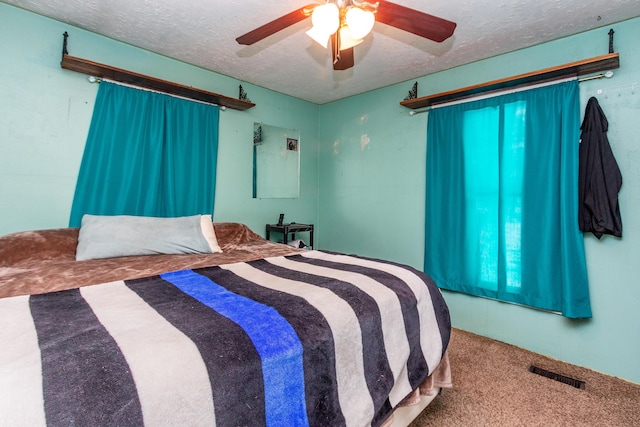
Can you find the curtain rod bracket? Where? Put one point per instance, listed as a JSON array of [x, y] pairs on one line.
[[611, 33], [65, 35], [242, 95], [413, 93]]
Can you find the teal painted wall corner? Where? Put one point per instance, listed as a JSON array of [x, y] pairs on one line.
[[372, 178]]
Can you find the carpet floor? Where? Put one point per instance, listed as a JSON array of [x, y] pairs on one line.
[[492, 386]]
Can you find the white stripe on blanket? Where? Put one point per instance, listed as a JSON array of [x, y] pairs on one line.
[[22, 401], [393, 331], [355, 401], [430, 339], [170, 375]]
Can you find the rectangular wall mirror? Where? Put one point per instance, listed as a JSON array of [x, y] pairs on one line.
[[276, 162]]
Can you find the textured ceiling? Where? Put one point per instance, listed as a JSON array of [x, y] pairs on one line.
[[203, 32]]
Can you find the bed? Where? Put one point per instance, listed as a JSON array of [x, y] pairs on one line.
[[258, 333]]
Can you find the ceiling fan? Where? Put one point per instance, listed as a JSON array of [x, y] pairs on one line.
[[347, 22]]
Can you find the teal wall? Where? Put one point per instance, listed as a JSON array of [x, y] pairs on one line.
[[372, 177], [45, 113], [362, 168]]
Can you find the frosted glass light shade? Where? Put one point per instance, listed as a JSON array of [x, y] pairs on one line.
[[360, 22], [347, 40], [319, 36], [326, 18]]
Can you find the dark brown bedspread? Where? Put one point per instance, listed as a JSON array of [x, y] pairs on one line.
[[35, 262]]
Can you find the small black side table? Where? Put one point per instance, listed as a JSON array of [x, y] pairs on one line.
[[292, 229]]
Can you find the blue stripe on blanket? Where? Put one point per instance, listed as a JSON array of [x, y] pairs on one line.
[[377, 371], [281, 361], [226, 350], [314, 332]]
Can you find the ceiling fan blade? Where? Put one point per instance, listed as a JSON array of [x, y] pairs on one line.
[[343, 60], [276, 25], [414, 21]]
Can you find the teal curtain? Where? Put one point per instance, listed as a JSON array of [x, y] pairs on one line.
[[147, 154], [502, 202]]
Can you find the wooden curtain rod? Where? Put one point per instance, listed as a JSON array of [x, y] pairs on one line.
[[579, 68], [129, 77]]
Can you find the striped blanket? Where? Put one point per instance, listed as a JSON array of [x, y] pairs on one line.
[[316, 339]]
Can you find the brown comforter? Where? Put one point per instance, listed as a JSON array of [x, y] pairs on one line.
[[35, 262]]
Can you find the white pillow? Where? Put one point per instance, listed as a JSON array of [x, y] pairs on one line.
[[124, 235]]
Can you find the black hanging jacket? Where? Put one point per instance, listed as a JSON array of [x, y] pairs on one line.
[[599, 176]]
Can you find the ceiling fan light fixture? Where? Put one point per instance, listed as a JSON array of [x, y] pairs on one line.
[[319, 36], [326, 18], [346, 38], [331, 15], [359, 21]]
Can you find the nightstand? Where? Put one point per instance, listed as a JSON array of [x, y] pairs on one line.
[[293, 228]]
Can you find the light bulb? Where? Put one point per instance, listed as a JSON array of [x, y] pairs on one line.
[[326, 18], [347, 40], [360, 22], [319, 36]]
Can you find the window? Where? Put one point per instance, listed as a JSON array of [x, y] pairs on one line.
[[501, 209]]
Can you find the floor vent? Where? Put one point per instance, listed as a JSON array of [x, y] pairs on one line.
[[557, 377]]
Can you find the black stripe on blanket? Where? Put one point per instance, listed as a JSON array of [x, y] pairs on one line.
[[378, 373], [416, 363], [323, 406], [439, 306], [227, 351], [81, 364]]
